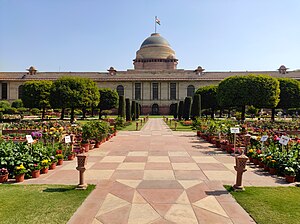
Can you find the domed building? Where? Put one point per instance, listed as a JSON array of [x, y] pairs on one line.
[[155, 53], [154, 82]]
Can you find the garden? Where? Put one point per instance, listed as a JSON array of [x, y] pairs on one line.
[[273, 147], [28, 148]]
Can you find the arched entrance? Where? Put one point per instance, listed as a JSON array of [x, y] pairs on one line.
[[155, 109]]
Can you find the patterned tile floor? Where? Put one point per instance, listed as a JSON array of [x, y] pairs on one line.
[[158, 176]]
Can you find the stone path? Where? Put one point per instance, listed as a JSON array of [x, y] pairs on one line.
[[158, 176]]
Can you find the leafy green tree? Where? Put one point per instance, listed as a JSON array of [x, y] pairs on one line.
[[108, 100], [180, 110], [128, 109], [73, 92], [137, 110], [121, 109], [209, 98], [36, 94], [187, 108], [261, 91], [4, 105], [175, 110], [195, 110]]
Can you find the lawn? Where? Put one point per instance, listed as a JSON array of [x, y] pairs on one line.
[[180, 127], [39, 203], [132, 126], [276, 205]]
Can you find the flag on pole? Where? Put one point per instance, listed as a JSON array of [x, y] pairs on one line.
[[157, 20]]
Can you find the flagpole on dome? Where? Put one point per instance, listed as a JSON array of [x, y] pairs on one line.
[[157, 21]]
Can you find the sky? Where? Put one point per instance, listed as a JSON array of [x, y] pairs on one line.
[[93, 35]]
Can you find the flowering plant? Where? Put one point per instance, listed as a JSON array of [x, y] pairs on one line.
[[272, 163], [53, 159], [45, 163], [20, 170], [59, 156], [35, 166], [289, 171], [250, 153], [3, 171]]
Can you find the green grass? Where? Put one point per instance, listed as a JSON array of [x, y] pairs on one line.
[[39, 203], [180, 127], [276, 205], [132, 126]]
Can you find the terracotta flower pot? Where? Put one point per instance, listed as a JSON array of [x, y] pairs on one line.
[[255, 161], [3, 178], [52, 166], [251, 159], [266, 168], [44, 170], [71, 157], [261, 164], [97, 145], [86, 146], [35, 173], [20, 177], [289, 179], [60, 162]]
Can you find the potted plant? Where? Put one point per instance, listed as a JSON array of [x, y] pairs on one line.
[[53, 161], [290, 174], [272, 167], [60, 159], [45, 166], [19, 173], [35, 170], [3, 175]]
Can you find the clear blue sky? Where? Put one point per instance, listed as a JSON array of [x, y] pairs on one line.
[[92, 35]]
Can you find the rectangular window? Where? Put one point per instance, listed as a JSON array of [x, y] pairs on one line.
[[155, 91], [172, 91], [138, 91], [4, 91]]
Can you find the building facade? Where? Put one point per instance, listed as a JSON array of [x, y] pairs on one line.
[[154, 82]]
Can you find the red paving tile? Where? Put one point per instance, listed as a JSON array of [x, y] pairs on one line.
[[159, 184], [105, 166], [160, 196], [122, 191], [114, 216], [136, 159]]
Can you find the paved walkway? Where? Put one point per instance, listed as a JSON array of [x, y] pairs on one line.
[[158, 176]]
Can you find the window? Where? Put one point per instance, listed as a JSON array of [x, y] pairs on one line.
[[120, 90], [20, 91], [138, 94], [155, 91], [172, 91], [190, 90], [4, 91]]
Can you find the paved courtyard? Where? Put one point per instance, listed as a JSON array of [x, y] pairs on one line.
[[158, 176]]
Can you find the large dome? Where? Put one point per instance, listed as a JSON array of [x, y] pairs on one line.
[[155, 47], [155, 40]]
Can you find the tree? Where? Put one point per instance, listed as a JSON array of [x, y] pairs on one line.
[[180, 110], [195, 110], [187, 108], [133, 110], [108, 99], [175, 110], [128, 109], [36, 94], [137, 110], [73, 92], [209, 98], [261, 91], [121, 109]]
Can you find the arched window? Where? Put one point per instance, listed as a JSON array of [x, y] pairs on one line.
[[120, 90], [155, 109], [190, 90], [20, 91]]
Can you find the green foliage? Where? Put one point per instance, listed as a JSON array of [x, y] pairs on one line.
[[17, 103], [121, 109], [252, 110], [36, 94], [128, 110], [137, 110], [4, 105], [261, 91], [74, 92], [133, 110], [95, 130], [187, 108], [195, 110], [180, 110], [289, 93], [108, 99]]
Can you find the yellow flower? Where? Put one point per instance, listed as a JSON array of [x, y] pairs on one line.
[[250, 150], [50, 132]]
